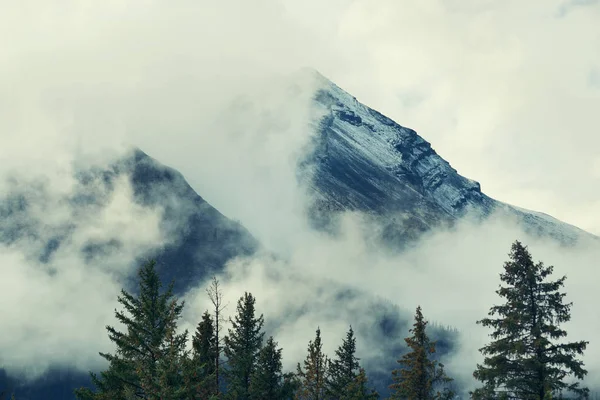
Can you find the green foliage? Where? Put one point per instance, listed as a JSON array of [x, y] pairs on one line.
[[267, 381], [358, 390], [344, 367], [313, 378], [149, 356], [201, 368], [291, 385], [420, 375], [525, 360], [242, 346], [346, 379]]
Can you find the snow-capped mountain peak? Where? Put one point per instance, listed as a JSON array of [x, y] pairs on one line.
[[364, 161]]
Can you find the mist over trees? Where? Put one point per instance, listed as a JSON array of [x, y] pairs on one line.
[[526, 359], [420, 377]]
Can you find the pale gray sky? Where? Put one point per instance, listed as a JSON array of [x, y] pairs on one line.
[[507, 91]]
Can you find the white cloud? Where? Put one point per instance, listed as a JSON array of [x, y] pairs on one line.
[[453, 275], [53, 313], [501, 89]]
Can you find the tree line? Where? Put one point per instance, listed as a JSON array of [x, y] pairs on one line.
[[526, 359]]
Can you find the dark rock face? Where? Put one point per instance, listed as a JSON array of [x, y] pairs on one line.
[[200, 240], [206, 238], [203, 240], [361, 160]]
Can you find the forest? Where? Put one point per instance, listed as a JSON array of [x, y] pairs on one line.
[[527, 357]]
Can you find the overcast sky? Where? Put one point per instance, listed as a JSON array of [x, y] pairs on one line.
[[507, 91]]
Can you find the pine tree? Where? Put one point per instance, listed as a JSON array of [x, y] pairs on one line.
[[172, 365], [149, 353], [345, 380], [313, 378], [420, 376], [344, 368], [202, 364], [242, 346], [291, 385], [216, 297], [524, 360], [358, 390], [267, 382]]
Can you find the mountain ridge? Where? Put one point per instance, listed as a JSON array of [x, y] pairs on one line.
[[362, 160], [359, 160]]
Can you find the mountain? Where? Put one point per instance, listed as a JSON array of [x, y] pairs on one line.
[[205, 238], [199, 239], [357, 160], [360, 160]]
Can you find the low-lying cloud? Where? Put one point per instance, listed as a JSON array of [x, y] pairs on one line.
[[199, 87], [63, 265], [452, 274]]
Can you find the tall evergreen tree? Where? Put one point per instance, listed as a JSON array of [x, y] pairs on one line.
[[216, 297], [420, 376], [172, 364], [346, 379], [344, 367], [313, 378], [291, 385], [203, 361], [242, 346], [358, 390], [149, 354], [525, 360], [267, 381]]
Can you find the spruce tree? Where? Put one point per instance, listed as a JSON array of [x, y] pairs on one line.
[[291, 385], [358, 390], [149, 354], [420, 377], [267, 382], [346, 379], [242, 345], [203, 361], [525, 359], [313, 378], [172, 365], [344, 367]]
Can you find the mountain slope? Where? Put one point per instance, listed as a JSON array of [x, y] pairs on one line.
[[198, 238], [361, 160], [206, 239]]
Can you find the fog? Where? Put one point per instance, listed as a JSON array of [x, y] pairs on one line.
[[451, 274], [215, 90]]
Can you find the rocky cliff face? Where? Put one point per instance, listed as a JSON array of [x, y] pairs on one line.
[[361, 160]]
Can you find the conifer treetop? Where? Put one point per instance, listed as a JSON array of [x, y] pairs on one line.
[[524, 358]]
